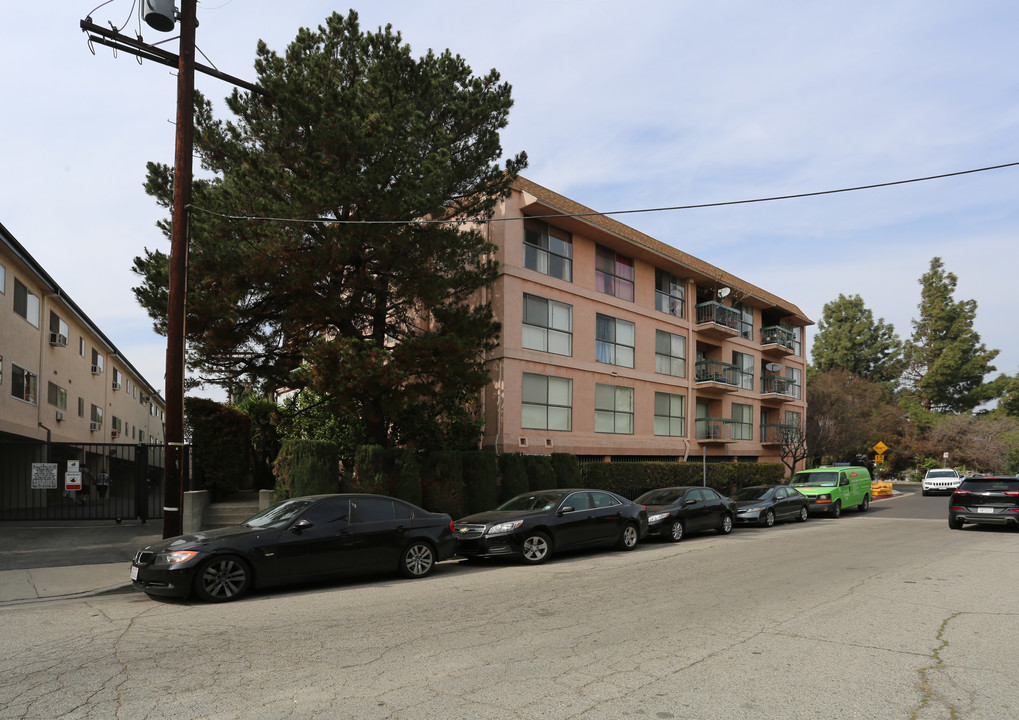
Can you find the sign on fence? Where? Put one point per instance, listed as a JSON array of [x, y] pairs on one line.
[[44, 476]]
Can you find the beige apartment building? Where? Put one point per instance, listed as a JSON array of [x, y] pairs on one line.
[[617, 346], [61, 378]]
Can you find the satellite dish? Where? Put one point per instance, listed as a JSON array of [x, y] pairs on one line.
[[773, 367], [158, 14], [724, 292]]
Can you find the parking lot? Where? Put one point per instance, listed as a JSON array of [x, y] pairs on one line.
[[886, 614]]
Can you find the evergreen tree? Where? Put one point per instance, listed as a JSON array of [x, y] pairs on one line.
[[945, 360], [377, 311], [849, 339]]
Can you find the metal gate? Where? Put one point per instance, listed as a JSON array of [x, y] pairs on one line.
[[33, 480]]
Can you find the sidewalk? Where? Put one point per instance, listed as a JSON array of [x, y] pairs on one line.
[[48, 560]]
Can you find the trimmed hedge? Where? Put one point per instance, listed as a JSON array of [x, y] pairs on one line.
[[632, 479], [481, 481], [513, 469], [306, 467], [221, 445], [540, 473], [442, 482]]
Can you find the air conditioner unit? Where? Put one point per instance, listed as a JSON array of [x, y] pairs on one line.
[[60, 416], [58, 339], [146, 399], [96, 370], [116, 386], [95, 426]]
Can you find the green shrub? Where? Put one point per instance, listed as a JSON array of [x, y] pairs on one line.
[[405, 476], [513, 472], [221, 446], [567, 470], [481, 481], [306, 467], [442, 483], [370, 472], [540, 473], [633, 479]]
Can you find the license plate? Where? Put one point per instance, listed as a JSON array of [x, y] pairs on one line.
[[985, 510], [134, 572]]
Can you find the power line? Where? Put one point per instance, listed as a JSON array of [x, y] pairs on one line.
[[333, 221]]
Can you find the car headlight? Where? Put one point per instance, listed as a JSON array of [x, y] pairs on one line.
[[749, 510], [174, 558], [826, 496], [503, 528], [657, 517]]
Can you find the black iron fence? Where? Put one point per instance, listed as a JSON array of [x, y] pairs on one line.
[[117, 481]]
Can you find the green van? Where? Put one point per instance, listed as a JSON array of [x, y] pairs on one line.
[[834, 487]]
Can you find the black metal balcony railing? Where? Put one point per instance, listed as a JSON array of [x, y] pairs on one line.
[[779, 385], [719, 314], [711, 428], [778, 433], [775, 335], [717, 371]]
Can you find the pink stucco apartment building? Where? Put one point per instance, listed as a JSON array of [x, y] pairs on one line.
[[617, 346]]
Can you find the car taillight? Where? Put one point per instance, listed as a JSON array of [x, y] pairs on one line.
[[451, 528], [961, 492], [1012, 492]]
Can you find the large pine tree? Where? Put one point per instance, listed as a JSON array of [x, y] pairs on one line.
[[945, 361], [377, 312], [849, 339]]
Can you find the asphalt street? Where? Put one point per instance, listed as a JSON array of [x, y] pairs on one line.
[[874, 615]]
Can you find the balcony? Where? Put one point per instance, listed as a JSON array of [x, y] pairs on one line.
[[779, 433], [717, 320], [714, 431], [713, 374], [777, 340], [779, 388]]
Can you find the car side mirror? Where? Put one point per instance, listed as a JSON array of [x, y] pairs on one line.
[[691, 501], [301, 525], [567, 509]]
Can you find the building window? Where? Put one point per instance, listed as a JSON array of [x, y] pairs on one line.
[[613, 409], [794, 375], [670, 354], [26, 303], [81, 407], [3, 279], [547, 403], [742, 422], [745, 324], [97, 362], [118, 378], [669, 293], [548, 325], [58, 330], [81, 346], [548, 250], [614, 341], [56, 396], [670, 414], [97, 415], [613, 273], [24, 384], [744, 370]]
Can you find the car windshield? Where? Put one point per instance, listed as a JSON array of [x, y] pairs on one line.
[[532, 501], [818, 479], [753, 493], [665, 496], [277, 514], [942, 473], [998, 485]]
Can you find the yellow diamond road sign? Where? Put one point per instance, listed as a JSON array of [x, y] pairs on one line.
[[880, 448]]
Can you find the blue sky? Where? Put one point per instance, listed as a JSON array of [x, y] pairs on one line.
[[619, 106]]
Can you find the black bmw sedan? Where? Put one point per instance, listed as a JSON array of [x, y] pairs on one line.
[[534, 525], [674, 512], [294, 541], [767, 504]]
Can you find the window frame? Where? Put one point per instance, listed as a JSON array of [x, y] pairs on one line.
[[673, 300], [26, 303], [621, 412], [549, 330], [669, 418], [545, 249], [56, 395], [27, 381], [742, 427], [673, 361], [613, 277], [548, 408], [615, 350]]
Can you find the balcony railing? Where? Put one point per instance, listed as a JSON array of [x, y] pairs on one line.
[[783, 338], [718, 372], [719, 314], [779, 385], [778, 433], [714, 429]]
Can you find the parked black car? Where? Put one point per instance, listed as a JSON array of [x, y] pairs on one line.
[[674, 512], [534, 525], [985, 500], [767, 504], [295, 541]]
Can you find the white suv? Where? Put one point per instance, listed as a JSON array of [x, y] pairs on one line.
[[940, 480]]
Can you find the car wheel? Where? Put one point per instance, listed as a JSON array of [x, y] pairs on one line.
[[628, 537], [802, 517], [726, 527], [537, 548], [676, 531], [865, 505], [924, 492], [769, 518], [954, 523], [836, 509], [222, 578], [417, 560]]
